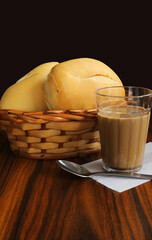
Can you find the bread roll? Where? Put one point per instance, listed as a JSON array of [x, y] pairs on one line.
[[72, 84], [27, 94]]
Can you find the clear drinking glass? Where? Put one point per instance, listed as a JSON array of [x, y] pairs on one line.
[[123, 117]]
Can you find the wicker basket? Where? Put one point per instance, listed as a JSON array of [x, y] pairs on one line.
[[51, 134]]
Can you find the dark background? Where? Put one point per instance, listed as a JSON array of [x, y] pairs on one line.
[[117, 34]]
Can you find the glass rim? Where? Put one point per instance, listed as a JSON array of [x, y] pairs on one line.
[[138, 96]]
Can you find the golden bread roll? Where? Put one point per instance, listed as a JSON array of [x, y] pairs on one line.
[[27, 94], [72, 84]]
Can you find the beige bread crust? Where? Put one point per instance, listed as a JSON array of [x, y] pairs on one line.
[[27, 94], [72, 84], [41, 69]]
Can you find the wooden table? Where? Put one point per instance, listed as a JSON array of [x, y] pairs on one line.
[[40, 201]]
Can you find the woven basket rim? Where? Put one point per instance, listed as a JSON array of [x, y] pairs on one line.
[[47, 116]]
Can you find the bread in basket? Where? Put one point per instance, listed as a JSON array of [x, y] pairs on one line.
[[55, 133]]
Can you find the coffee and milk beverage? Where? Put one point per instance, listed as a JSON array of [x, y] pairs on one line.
[[123, 134]]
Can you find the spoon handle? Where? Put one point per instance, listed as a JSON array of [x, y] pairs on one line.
[[124, 174]]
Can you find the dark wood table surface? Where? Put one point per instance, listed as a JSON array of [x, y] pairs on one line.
[[40, 201]]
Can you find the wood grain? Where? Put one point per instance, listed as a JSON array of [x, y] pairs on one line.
[[40, 201]]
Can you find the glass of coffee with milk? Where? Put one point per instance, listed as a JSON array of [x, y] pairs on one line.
[[123, 118]]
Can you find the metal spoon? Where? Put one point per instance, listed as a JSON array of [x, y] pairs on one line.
[[81, 171]]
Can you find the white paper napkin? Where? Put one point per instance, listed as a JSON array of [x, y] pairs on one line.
[[120, 184]]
